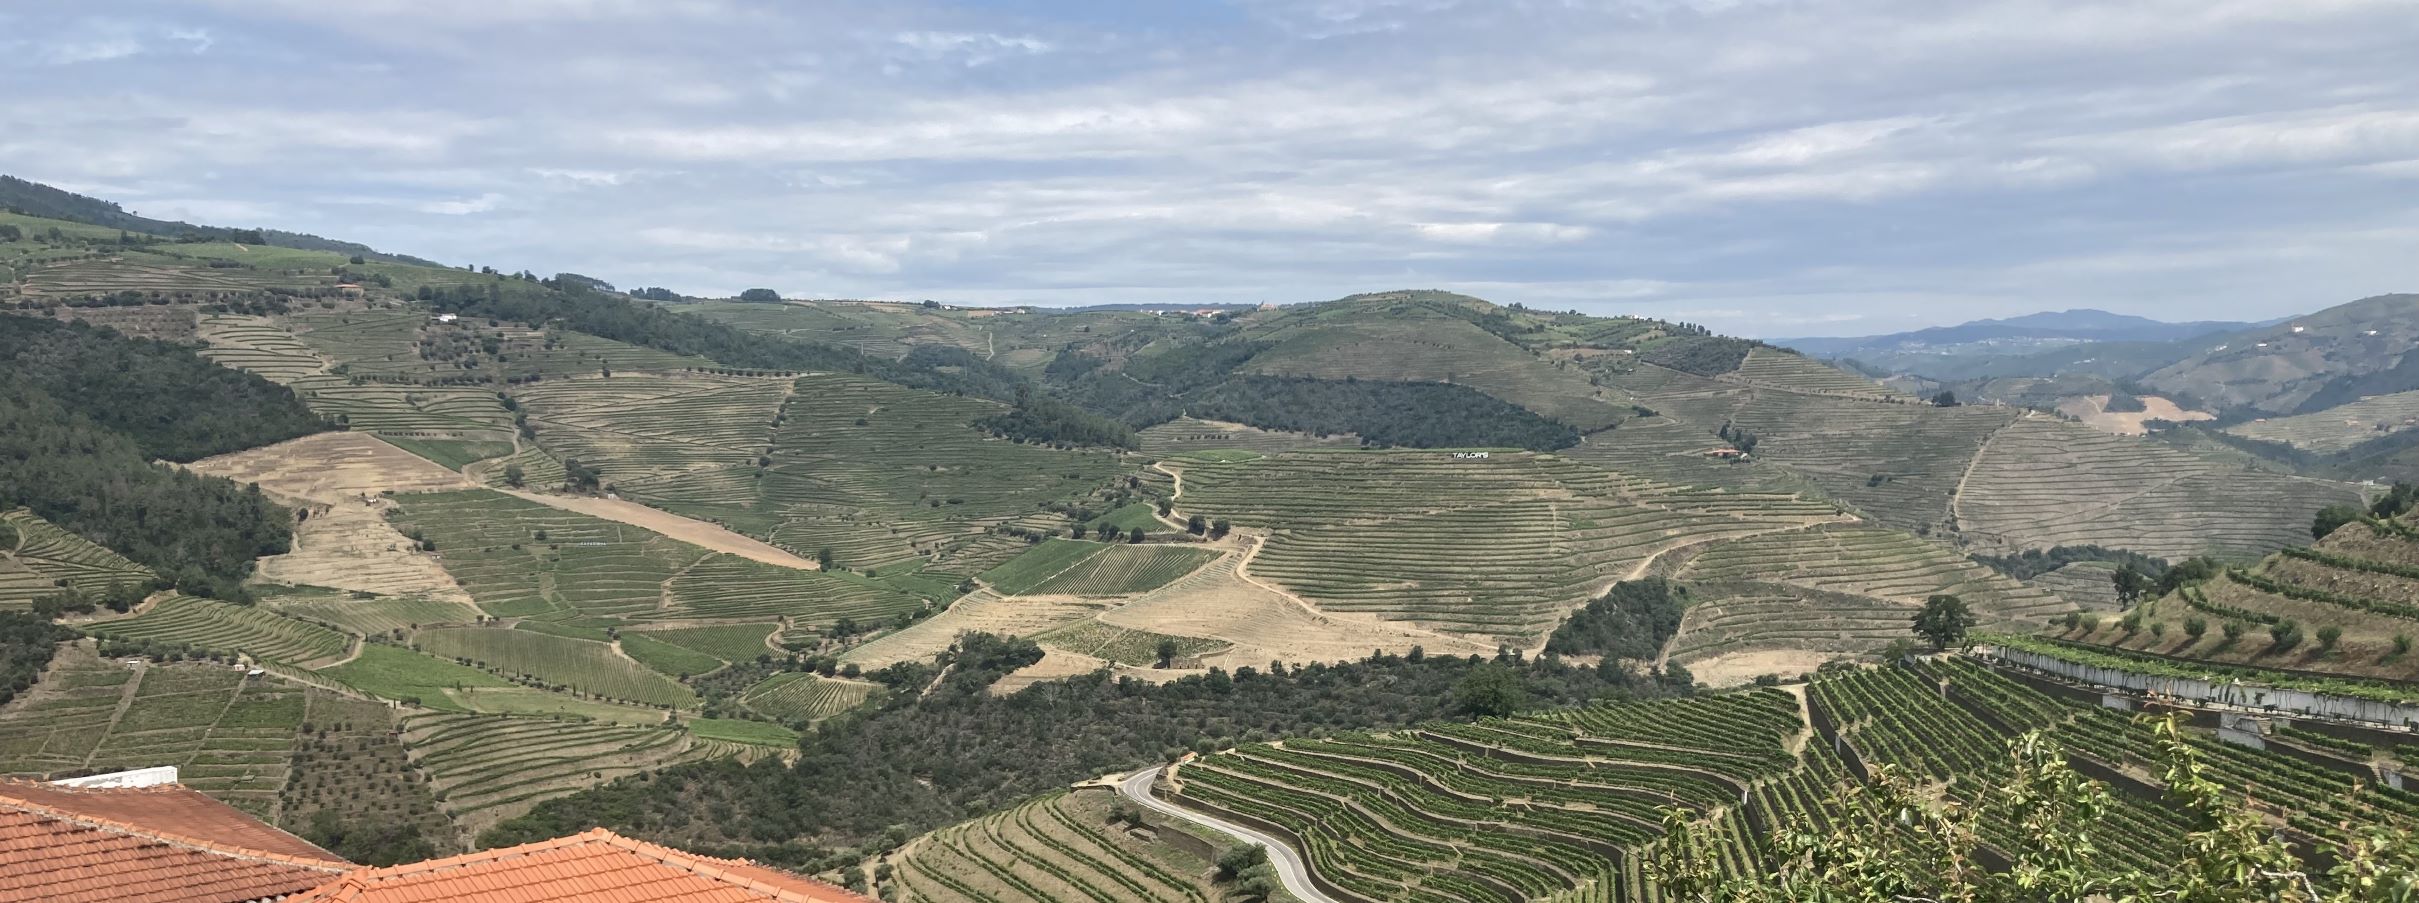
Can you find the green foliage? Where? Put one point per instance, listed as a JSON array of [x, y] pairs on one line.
[[1889, 841], [2332, 517], [198, 533], [171, 402], [1040, 418], [760, 296], [1385, 414], [1703, 355], [373, 841], [1492, 690], [1944, 621], [26, 644], [1633, 620], [928, 759], [2031, 563]]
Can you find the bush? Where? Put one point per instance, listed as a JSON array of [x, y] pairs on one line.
[[2284, 635], [2328, 636]]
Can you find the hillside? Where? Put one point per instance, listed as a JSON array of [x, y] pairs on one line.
[[2306, 364], [2011, 336], [2347, 604]]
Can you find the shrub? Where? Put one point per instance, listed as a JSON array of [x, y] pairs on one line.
[[2284, 635], [2328, 636]]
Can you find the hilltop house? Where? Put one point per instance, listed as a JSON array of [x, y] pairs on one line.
[[140, 837]]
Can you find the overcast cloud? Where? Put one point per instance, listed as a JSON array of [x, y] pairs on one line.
[[1766, 167]]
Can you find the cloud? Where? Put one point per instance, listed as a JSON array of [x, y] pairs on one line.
[[1765, 161], [462, 206]]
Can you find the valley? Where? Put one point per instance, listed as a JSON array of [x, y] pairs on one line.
[[514, 555]]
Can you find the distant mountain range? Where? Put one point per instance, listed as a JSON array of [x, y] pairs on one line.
[[2013, 335]]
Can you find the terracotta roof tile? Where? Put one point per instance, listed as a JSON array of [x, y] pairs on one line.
[[56, 855], [595, 866], [168, 809]]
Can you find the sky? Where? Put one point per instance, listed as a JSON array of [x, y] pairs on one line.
[[1764, 167]]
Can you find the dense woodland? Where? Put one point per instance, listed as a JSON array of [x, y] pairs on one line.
[[915, 763], [1633, 620], [174, 404], [26, 644], [197, 533], [1704, 355], [1410, 415]]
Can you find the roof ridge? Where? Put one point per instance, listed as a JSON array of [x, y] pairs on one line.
[[669, 855], [710, 866], [332, 866]]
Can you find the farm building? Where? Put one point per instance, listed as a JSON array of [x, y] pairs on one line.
[[132, 838]]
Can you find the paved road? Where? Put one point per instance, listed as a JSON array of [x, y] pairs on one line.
[[1290, 868]]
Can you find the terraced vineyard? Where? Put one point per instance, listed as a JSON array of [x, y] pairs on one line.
[[1076, 568], [407, 410], [1186, 435], [523, 559], [1416, 344], [1897, 463], [37, 558], [679, 441], [1870, 562], [1502, 546], [1730, 618], [1900, 717], [225, 627], [1672, 451], [487, 768], [1773, 367], [581, 665], [1062, 847], [258, 345], [229, 736], [797, 696], [2361, 581], [2043, 482], [882, 475], [1564, 806], [1511, 809], [2338, 428]]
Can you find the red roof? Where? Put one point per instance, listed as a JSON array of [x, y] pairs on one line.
[[592, 866], [146, 845]]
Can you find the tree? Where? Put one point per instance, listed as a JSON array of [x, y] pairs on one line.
[[1492, 690], [11, 233], [1196, 525], [1219, 528], [1135, 537], [1167, 652], [2131, 583], [580, 477], [760, 296], [2332, 517], [1944, 621], [1076, 531], [2196, 627], [514, 476], [1946, 399], [2328, 636]]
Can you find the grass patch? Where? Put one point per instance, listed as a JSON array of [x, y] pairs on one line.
[[1035, 567], [401, 674], [667, 658], [730, 643], [753, 732], [452, 454]]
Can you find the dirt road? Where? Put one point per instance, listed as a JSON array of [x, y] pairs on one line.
[[688, 530]]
